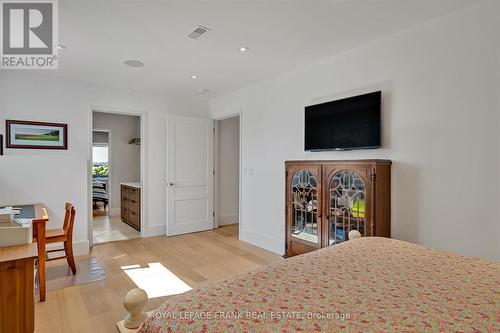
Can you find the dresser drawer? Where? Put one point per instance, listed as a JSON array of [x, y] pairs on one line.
[[134, 219], [131, 205], [131, 193], [134, 194], [124, 214]]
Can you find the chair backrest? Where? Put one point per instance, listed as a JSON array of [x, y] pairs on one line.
[[69, 219]]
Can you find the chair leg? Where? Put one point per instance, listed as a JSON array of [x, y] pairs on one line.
[[68, 248]]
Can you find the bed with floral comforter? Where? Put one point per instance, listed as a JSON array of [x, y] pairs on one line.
[[368, 284]]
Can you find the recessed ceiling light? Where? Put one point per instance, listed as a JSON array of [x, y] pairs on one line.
[[244, 49], [134, 63], [62, 47], [203, 91], [194, 77]]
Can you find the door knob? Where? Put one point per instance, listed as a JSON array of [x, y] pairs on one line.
[[171, 184]]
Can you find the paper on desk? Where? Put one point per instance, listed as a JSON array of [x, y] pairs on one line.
[[23, 222]]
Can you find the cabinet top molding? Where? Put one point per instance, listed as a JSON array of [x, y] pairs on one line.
[[367, 161]]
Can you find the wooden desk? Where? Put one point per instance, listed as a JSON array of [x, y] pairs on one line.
[[38, 214], [17, 300]]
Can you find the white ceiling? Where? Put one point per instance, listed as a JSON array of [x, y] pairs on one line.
[[281, 35]]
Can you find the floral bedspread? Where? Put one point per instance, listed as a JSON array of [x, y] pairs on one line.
[[369, 284]]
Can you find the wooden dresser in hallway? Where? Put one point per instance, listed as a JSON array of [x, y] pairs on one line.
[[131, 204]]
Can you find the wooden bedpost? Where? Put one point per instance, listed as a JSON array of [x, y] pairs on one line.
[[135, 300], [353, 234]]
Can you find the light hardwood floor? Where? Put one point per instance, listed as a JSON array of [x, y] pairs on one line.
[[195, 258], [112, 228], [99, 210]]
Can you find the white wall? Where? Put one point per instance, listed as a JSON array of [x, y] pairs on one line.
[[228, 173], [53, 177], [125, 158], [440, 82]]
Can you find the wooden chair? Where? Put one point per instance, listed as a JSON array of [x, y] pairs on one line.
[[64, 235]]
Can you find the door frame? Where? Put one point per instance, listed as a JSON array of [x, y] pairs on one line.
[[216, 169], [143, 163]]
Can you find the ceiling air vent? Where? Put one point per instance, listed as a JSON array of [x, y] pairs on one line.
[[198, 32]]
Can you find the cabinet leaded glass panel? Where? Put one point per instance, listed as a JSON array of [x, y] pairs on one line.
[[347, 205], [304, 206]]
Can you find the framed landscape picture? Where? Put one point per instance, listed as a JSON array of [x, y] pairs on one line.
[[36, 135]]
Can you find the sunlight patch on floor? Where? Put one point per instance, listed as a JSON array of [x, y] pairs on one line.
[[156, 280]]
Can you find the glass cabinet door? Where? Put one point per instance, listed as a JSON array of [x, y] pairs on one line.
[[304, 206], [347, 193]]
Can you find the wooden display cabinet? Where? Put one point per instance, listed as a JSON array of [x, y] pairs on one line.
[[327, 199]]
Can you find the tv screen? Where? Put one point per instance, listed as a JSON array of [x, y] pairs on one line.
[[344, 124]]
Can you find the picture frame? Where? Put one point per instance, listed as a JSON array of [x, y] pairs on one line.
[[22, 134], [1, 144]]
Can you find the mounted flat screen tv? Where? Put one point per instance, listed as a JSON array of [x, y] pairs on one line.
[[344, 124]]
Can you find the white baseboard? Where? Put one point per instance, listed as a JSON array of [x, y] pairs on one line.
[[154, 230], [226, 220], [268, 243], [79, 248]]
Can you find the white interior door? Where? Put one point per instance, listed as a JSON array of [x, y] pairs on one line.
[[190, 175]]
